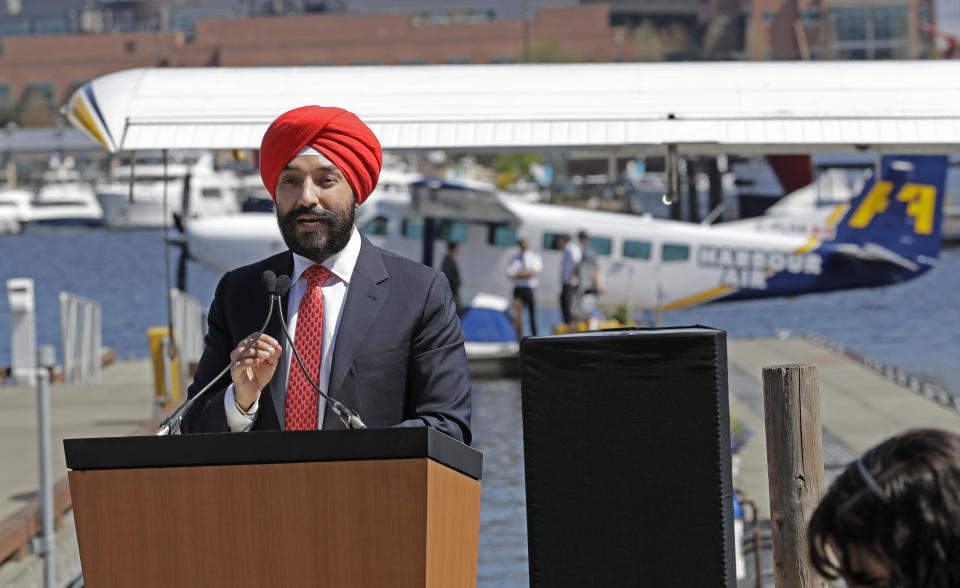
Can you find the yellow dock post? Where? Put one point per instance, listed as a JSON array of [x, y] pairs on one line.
[[166, 369]]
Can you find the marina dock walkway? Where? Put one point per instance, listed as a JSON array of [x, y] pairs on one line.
[[860, 407], [119, 405]]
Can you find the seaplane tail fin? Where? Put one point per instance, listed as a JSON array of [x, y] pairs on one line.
[[901, 212]]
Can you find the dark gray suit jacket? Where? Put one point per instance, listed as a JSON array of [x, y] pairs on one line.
[[398, 361]]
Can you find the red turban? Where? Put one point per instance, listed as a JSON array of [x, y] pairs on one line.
[[336, 133]]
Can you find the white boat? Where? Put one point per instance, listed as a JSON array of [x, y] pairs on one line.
[[209, 191], [14, 209], [64, 199]]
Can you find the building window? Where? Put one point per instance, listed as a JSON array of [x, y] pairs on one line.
[[5, 95], [50, 26], [130, 46], [14, 7], [42, 90], [870, 32]]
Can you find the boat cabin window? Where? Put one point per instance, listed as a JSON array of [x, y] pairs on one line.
[[210, 192], [412, 227], [636, 249], [675, 252], [454, 231], [602, 245], [502, 236], [375, 226]]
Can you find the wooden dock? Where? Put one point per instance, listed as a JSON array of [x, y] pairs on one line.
[[859, 406]]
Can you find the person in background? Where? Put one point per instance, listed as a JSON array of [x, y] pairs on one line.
[[569, 280], [588, 273], [450, 269], [523, 269], [892, 518]]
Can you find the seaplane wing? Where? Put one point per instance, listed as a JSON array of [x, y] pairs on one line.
[[699, 107]]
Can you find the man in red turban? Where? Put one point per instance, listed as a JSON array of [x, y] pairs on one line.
[[375, 331]]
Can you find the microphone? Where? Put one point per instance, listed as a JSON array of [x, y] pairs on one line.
[[270, 283], [283, 285], [349, 417], [172, 422]]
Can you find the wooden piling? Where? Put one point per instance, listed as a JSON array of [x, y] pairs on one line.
[[791, 401]]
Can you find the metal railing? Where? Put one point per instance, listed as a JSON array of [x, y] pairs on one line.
[[81, 331]]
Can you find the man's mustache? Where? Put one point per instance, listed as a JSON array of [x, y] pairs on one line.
[[323, 213]]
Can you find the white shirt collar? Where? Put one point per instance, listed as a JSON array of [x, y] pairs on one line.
[[341, 264]]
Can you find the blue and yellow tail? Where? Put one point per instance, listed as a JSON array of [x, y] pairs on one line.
[[902, 211]]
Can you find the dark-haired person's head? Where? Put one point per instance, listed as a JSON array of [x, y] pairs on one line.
[[892, 518]]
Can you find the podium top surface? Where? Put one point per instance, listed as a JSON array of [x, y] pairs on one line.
[[103, 453]]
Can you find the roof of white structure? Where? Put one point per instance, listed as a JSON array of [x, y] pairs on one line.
[[701, 107]]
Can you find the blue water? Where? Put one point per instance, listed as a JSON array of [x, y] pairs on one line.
[[911, 325]]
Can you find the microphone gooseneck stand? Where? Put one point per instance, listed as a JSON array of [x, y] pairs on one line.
[[172, 422]]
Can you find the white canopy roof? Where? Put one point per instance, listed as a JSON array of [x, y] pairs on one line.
[[900, 106]]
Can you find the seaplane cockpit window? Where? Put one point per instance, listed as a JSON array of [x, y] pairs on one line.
[[502, 236], [636, 249], [210, 192], [375, 226], [602, 245], [675, 252], [454, 231], [412, 227]]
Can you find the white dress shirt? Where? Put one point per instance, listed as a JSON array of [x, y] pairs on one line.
[[334, 291], [527, 260]]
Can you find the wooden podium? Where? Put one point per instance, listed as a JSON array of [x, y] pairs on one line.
[[379, 507]]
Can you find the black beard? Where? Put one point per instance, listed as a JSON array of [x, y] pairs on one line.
[[315, 246]]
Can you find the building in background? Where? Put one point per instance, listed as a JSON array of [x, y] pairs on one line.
[[840, 29], [50, 48]]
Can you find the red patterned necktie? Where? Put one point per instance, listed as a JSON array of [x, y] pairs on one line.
[[301, 412]]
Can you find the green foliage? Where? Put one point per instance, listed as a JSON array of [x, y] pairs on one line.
[[549, 51], [622, 315]]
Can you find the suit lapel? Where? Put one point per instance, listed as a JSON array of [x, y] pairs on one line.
[[365, 298]]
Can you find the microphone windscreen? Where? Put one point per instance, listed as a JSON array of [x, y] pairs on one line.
[[270, 281], [283, 285]]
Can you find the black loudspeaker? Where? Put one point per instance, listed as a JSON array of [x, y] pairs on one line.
[[627, 458]]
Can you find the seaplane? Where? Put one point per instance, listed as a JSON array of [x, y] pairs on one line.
[[887, 234]]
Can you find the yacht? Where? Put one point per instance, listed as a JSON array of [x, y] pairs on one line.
[[15, 206], [64, 198], [140, 204]]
